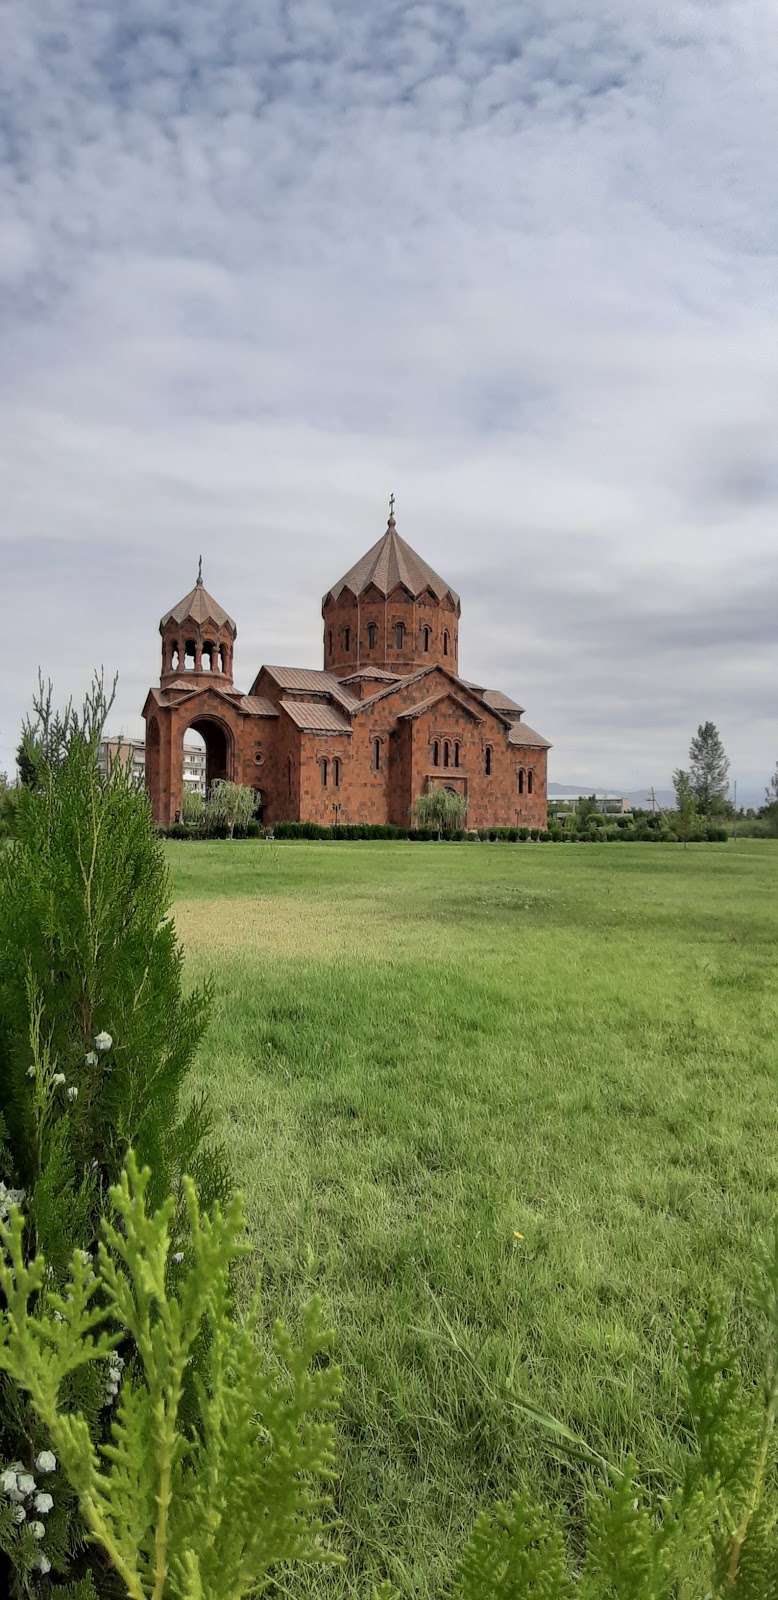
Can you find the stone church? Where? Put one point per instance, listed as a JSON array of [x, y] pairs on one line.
[[386, 719]]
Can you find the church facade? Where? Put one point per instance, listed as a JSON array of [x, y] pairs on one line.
[[386, 719]]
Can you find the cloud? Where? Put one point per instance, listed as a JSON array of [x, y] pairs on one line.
[[260, 265]]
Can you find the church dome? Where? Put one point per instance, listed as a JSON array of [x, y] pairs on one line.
[[197, 640], [199, 607], [391, 612], [388, 564]]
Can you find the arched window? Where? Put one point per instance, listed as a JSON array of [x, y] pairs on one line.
[[372, 635], [456, 753], [210, 656], [376, 755], [190, 655], [446, 753], [445, 641], [324, 771], [222, 658], [426, 635], [488, 761], [347, 640], [435, 753], [521, 780], [399, 635], [329, 641], [336, 771], [530, 778]]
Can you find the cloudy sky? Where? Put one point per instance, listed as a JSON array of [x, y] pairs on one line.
[[515, 260]]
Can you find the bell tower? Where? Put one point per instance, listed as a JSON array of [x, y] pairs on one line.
[[198, 638]]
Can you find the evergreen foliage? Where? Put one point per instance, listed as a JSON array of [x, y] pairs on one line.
[[182, 1510], [708, 769]]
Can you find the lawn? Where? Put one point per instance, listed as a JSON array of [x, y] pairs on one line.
[[419, 1051]]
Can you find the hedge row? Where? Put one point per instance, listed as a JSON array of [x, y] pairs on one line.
[[644, 833]]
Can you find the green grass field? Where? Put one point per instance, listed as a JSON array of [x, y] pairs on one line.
[[420, 1050]]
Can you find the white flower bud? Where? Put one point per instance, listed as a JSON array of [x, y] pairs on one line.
[[59, 1077], [91, 1059], [177, 1258], [103, 1041], [7, 1480], [43, 1504], [20, 1515], [42, 1563], [31, 1071], [37, 1529], [72, 1092], [46, 1461], [25, 1483]]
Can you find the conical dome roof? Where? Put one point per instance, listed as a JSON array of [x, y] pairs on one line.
[[390, 562], [199, 606]]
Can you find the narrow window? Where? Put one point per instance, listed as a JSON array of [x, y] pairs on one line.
[[222, 658], [347, 640], [324, 771], [377, 755], [209, 652], [521, 780], [174, 656], [289, 775], [456, 754], [336, 771], [435, 753], [488, 761], [330, 641], [446, 753], [372, 635], [425, 633], [530, 776], [445, 641], [399, 635], [190, 653]]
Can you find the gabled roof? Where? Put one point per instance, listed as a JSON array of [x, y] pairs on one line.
[[199, 606], [416, 677], [315, 716], [255, 705], [435, 700], [308, 681], [525, 736], [388, 563], [371, 675], [500, 702]]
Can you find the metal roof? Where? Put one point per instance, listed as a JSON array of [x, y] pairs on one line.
[[499, 701], [388, 563], [315, 716], [310, 681], [255, 705], [519, 733]]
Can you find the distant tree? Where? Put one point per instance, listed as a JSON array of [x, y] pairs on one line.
[[193, 809], [708, 769], [26, 766], [440, 809], [586, 805], [685, 804], [770, 807], [230, 804]]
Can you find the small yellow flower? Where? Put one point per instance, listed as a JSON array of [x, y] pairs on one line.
[[517, 1235]]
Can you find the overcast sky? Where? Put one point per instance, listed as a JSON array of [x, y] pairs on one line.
[[264, 261]]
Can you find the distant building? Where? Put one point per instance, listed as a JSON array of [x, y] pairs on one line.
[[133, 753], [611, 805]]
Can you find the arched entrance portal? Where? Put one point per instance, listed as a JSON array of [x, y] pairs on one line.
[[218, 749]]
